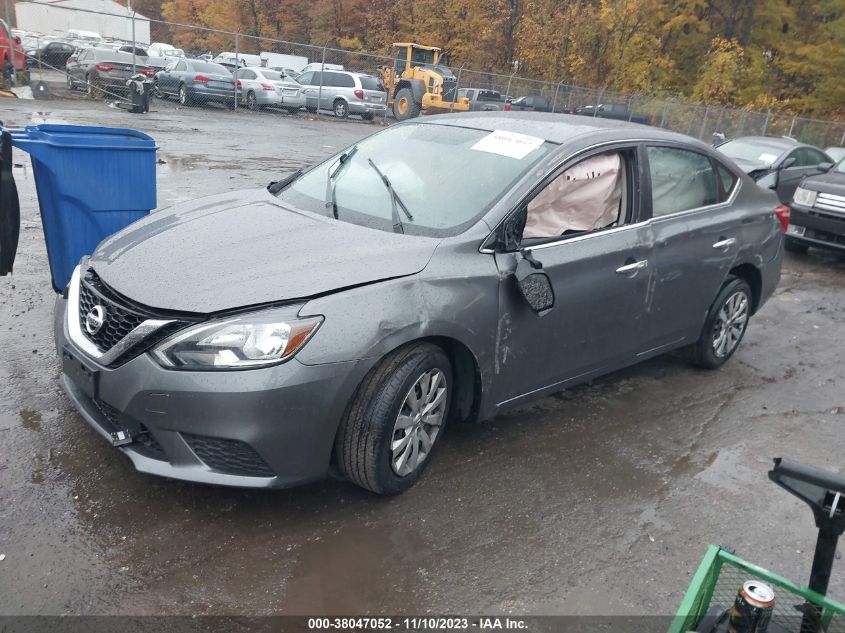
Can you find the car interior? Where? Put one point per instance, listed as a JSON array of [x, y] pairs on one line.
[[588, 196]]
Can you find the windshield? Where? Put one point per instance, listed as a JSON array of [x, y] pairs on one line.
[[758, 151], [427, 167], [836, 153], [840, 167]]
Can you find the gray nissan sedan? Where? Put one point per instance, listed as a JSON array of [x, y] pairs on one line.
[[440, 270]]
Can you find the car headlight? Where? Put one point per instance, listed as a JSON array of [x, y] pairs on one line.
[[804, 197], [257, 339]]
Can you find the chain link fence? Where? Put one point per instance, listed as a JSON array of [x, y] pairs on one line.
[[260, 75]]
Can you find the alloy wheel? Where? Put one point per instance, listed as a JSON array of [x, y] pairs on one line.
[[251, 102], [419, 422], [340, 109], [730, 324], [183, 95]]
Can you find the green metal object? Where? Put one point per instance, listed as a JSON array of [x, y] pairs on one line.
[[717, 580]]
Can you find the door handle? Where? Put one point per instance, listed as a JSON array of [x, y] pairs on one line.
[[632, 268], [725, 244]]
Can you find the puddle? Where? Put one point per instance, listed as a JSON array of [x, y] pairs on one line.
[[30, 420]]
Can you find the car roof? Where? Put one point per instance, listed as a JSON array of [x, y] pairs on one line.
[[556, 128]]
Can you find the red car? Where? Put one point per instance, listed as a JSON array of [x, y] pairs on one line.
[[10, 54]]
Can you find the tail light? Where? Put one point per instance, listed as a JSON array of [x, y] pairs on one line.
[[68, 61], [104, 67], [201, 79], [783, 212], [359, 94], [237, 83], [267, 87], [149, 72]]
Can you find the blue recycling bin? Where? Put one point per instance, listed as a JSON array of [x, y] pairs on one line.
[[91, 182]]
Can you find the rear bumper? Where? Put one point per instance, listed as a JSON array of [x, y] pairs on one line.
[[816, 228], [359, 107]]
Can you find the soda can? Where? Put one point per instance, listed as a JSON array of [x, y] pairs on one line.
[[752, 608]]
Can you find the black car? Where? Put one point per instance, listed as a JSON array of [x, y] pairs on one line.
[[102, 70], [196, 81], [53, 54], [531, 103], [817, 215], [786, 158]]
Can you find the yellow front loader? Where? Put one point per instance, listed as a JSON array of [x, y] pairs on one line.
[[418, 83]]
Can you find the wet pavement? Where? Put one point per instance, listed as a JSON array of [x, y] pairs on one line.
[[601, 499]]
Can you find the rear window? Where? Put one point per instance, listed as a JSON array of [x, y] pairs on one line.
[[272, 75], [371, 83], [209, 67], [489, 95]]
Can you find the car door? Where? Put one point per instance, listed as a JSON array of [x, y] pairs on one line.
[[174, 77], [806, 161], [601, 279], [332, 82], [697, 235], [77, 69]]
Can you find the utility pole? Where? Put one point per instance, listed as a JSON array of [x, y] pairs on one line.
[[132, 17]]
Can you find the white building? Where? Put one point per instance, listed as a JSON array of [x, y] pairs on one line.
[[109, 19]]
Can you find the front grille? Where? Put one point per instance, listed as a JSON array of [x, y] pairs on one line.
[[119, 321], [450, 89], [831, 202], [232, 457]]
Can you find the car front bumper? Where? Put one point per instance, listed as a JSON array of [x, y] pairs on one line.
[[263, 428], [814, 227]]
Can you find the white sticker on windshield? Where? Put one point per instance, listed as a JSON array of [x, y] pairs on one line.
[[508, 144], [768, 158]]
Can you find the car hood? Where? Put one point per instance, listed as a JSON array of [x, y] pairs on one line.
[[244, 248], [749, 166], [831, 182]]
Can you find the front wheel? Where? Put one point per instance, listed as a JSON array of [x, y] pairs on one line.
[[404, 106], [251, 101], [70, 84], [724, 326], [397, 416]]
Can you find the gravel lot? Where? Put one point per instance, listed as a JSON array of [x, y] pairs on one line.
[[601, 499]]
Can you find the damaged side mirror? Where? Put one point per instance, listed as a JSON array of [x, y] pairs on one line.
[[534, 284]]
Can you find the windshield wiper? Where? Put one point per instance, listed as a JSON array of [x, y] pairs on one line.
[[395, 201], [331, 200], [278, 185]]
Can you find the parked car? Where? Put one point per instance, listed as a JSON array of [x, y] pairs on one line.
[[53, 54], [760, 156], [100, 70], [531, 103], [86, 36], [817, 215], [159, 49], [618, 111], [239, 60], [317, 66], [12, 54], [346, 315], [835, 152], [194, 81], [259, 87], [344, 93], [483, 100]]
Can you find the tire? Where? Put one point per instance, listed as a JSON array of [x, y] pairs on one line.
[[404, 106], [311, 110], [91, 88], [733, 301], [794, 247], [292, 110], [251, 101], [367, 116], [157, 93], [371, 425], [340, 108], [184, 97]]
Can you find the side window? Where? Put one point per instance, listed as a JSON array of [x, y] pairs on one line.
[[305, 78], [318, 77], [181, 66], [680, 180], [727, 181], [809, 157], [345, 81], [590, 195]]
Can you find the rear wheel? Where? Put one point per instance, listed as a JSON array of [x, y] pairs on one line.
[[251, 101], [404, 106], [724, 326], [795, 247], [157, 90], [341, 108], [393, 423], [184, 97], [90, 87]]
